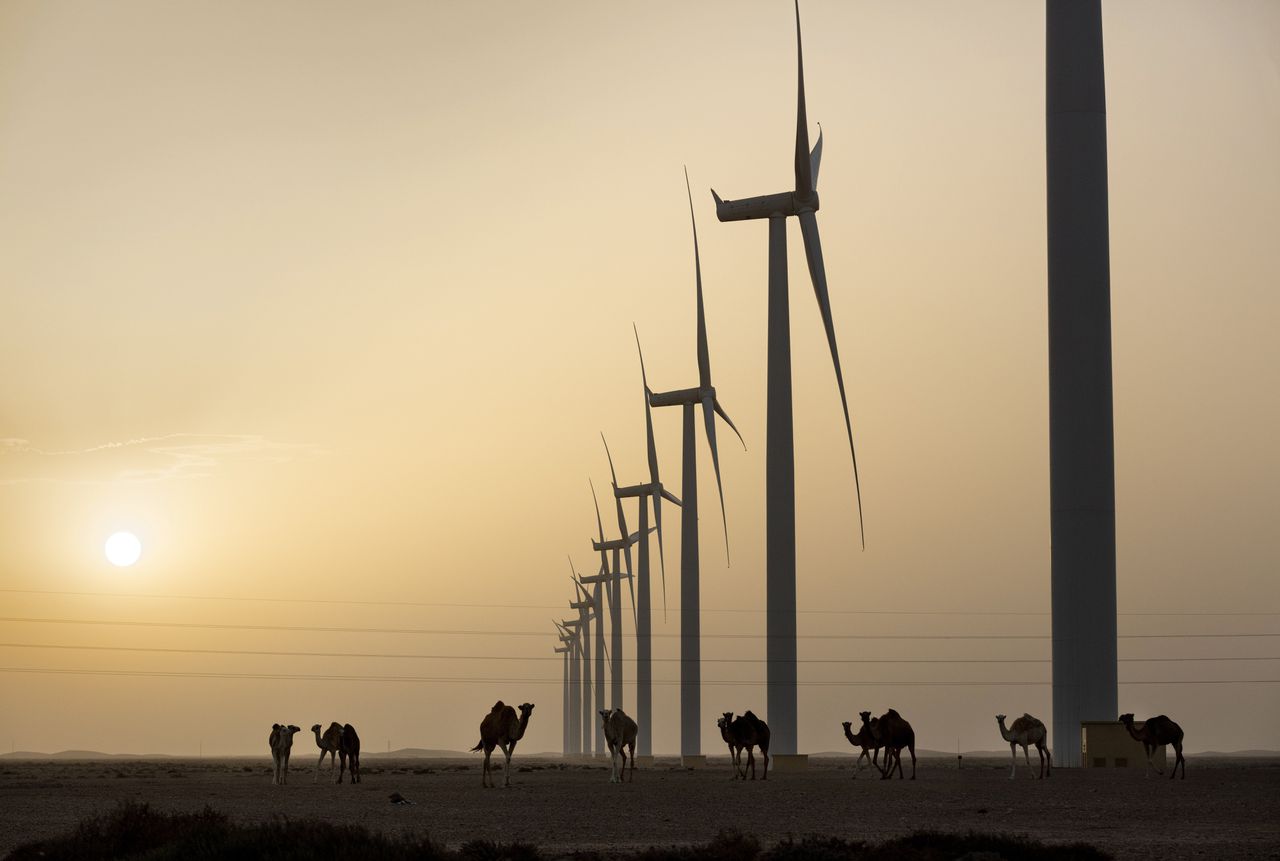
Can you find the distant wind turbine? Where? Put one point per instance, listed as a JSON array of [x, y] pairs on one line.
[[611, 577], [589, 609], [780, 493], [704, 395], [652, 490]]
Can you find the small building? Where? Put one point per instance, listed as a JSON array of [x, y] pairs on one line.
[[1107, 744]]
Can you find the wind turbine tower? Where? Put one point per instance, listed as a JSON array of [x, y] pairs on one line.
[[780, 485], [1081, 445], [704, 395]]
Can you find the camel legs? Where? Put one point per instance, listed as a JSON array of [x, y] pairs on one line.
[[1177, 749], [764, 751], [1013, 769], [751, 763], [342, 764], [613, 763], [857, 766], [633, 762], [912, 750], [506, 768], [275, 761], [1026, 753], [486, 779], [1048, 754], [284, 771]]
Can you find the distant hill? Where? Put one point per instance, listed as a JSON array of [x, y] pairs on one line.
[[413, 753], [81, 755]]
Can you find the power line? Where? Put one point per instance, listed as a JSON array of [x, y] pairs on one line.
[[549, 681], [222, 626], [630, 660], [484, 606]]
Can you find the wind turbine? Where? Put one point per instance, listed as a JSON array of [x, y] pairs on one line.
[[568, 648], [704, 395], [780, 491], [611, 577], [589, 608], [644, 621]]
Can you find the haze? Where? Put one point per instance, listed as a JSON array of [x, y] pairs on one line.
[[331, 303]]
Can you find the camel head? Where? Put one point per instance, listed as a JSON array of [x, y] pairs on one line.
[[1127, 719], [848, 725], [526, 709], [866, 716], [725, 720], [604, 714], [1000, 718], [316, 728]]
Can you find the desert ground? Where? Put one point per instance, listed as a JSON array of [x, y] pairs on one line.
[[1227, 807]]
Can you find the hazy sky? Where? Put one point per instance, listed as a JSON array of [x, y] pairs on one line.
[[331, 302]]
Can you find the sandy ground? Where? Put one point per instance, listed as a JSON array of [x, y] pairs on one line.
[[1227, 808]]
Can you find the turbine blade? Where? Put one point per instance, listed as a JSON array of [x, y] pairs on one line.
[[671, 497], [818, 273], [599, 522], [815, 157], [708, 412], [704, 357], [635, 613], [804, 170], [662, 557], [720, 411], [652, 450]]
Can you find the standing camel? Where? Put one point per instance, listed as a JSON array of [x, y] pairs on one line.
[[1026, 730], [1156, 732], [749, 731], [281, 741], [894, 733], [725, 722], [328, 743], [349, 753], [501, 728], [865, 739], [620, 733]]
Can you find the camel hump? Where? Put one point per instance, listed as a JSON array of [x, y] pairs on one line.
[[1158, 718], [1027, 716], [498, 706], [893, 713]]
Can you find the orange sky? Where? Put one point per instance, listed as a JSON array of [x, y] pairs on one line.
[[332, 304]]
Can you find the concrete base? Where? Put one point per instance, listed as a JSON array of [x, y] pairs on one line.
[[699, 761], [784, 762], [644, 762]]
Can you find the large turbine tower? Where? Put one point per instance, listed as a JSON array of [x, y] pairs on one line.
[[704, 395], [1082, 497], [780, 491]]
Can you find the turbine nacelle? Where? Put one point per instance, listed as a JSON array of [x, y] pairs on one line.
[[680, 397], [781, 205]]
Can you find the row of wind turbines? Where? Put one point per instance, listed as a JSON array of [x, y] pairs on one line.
[[583, 634]]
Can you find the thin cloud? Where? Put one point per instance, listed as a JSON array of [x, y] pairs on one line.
[[143, 460]]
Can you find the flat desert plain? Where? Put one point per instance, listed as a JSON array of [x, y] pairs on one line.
[[1226, 808]]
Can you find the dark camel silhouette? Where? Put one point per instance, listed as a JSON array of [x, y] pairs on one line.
[[894, 733], [865, 739], [501, 728], [747, 732], [725, 721], [1156, 732], [349, 753]]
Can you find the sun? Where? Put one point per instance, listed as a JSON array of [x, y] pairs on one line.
[[123, 549]]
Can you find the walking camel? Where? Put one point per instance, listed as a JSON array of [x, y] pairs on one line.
[[1026, 730], [748, 731], [726, 719], [1156, 732], [894, 733], [328, 743], [501, 728], [619, 733], [281, 741], [865, 739], [349, 753]]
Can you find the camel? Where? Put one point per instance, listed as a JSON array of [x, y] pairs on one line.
[[349, 752], [725, 721], [281, 741], [864, 739], [747, 732], [620, 733], [501, 728], [328, 743], [1026, 731], [1156, 732], [894, 733]]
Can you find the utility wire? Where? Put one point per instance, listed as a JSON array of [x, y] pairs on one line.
[[630, 660], [482, 606], [474, 680], [483, 633]]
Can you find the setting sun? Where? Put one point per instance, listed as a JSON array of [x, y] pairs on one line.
[[123, 549]]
